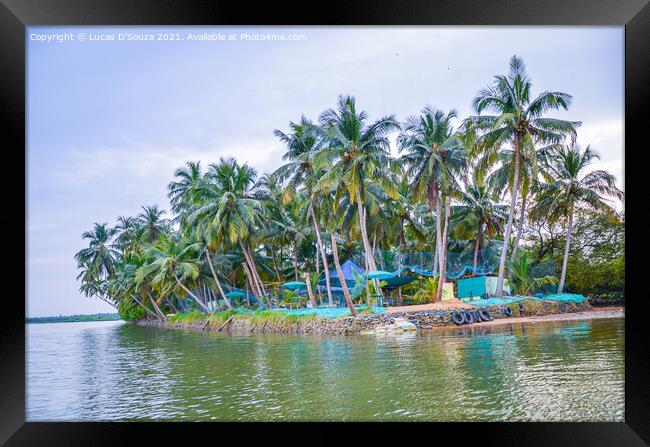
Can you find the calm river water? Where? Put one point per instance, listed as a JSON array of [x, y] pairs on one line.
[[553, 371]]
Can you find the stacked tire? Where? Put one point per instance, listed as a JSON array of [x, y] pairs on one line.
[[470, 316]]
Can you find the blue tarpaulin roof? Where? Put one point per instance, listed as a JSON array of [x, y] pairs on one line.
[[347, 268]]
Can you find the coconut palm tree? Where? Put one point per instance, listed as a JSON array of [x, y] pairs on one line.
[[172, 265], [573, 187], [152, 224], [98, 259], [516, 115], [127, 231], [356, 153], [302, 143], [477, 209], [434, 157], [186, 190], [423, 139], [235, 216]]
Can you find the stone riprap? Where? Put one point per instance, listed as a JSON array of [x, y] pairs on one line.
[[366, 323]]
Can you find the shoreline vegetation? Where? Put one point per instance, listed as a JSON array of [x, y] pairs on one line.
[[73, 318], [505, 192], [273, 322]]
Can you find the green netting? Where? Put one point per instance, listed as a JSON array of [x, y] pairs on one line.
[[459, 263], [496, 301], [565, 297], [562, 297]]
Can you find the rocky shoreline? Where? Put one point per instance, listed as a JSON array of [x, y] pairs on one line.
[[365, 323]]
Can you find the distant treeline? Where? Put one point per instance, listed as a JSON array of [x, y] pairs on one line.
[[74, 318]]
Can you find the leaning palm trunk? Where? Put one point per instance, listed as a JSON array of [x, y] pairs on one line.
[[216, 279], [344, 286], [189, 292], [321, 248], [309, 291], [560, 287], [443, 253], [156, 316], [249, 282], [520, 227], [155, 305], [511, 213], [252, 271]]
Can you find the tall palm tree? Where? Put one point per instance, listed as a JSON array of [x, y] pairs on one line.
[[186, 190], [356, 152], [127, 231], [236, 214], [152, 224], [423, 139], [302, 143], [572, 186], [98, 259], [477, 209], [516, 115], [434, 156]]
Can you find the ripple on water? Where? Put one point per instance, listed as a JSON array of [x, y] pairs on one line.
[[111, 371]]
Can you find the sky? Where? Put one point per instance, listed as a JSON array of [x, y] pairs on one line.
[[110, 120]]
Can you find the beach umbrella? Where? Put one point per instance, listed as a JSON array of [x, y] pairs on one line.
[[380, 274], [293, 285]]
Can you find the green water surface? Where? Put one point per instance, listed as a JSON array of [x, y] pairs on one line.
[[553, 371]]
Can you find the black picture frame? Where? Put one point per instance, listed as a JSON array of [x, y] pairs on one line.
[[16, 15]]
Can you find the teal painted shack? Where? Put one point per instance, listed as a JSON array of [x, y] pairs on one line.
[[479, 287]]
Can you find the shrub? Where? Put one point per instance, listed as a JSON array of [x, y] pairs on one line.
[[130, 311]]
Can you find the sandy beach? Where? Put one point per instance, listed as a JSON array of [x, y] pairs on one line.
[[603, 312]]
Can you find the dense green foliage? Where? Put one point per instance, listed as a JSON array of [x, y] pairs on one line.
[[342, 194], [130, 311]]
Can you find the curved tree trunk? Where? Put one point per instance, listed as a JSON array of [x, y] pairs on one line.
[[511, 213], [189, 292], [344, 285], [216, 279], [323, 253], [250, 281], [309, 291], [560, 287], [520, 227], [254, 269], [145, 307], [155, 305], [443, 251], [257, 289]]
